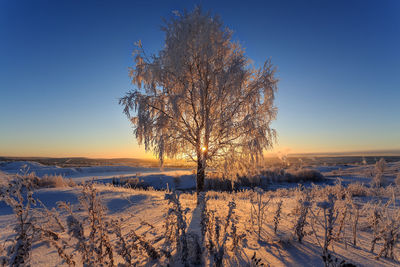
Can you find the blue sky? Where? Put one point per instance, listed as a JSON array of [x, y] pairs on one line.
[[64, 64]]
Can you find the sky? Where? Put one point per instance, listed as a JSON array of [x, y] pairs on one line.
[[64, 64]]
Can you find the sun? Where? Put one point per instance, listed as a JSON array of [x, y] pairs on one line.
[[203, 149]]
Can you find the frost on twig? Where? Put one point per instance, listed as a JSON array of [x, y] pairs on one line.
[[258, 210]]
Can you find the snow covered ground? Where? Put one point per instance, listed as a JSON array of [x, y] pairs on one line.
[[154, 177], [138, 208]]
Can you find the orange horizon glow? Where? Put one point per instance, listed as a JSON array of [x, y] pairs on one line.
[[138, 152]]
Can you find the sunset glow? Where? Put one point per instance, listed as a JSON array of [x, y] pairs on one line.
[[338, 88]]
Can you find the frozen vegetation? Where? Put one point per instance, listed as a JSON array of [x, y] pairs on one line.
[[344, 217]]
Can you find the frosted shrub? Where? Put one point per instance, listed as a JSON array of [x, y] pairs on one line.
[[380, 165], [211, 229], [49, 228], [96, 247], [374, 218], [175, 226], [55, 181], [91, 235], [123, 247], [217, 233], [18, 195], [389, 230], [344, 205], [301, 211], [99, 241], [45, 181], [379, 179], [338, 190], [327, 223], [132, 182], [277, 215], [358, 189], [258, 210], [145, 245], [131, 245], [236, 238]]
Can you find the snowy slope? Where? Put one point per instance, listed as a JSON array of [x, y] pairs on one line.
[[154, 177]]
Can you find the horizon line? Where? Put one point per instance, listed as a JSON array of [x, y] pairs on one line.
[[370, 153]]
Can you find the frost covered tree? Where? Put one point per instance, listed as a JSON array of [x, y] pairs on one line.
[[200, 97]]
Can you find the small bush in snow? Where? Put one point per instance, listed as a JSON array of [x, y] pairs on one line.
[[389, 230], [175, 226], [358, 189], [344, 206], [123, 247], [379, 179], [133, 182], [258, 210], [94, 248], [18, 195], [217, 234], [277, 215], [327, 223], [301, 211], [54, 181], [30, 227], [374, 218], [45, 181]]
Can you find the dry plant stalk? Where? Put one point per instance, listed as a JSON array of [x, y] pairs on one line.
[[258, 210], [302, 210], [329, 217]]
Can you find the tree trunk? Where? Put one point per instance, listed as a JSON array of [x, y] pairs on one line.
[[200, 174]]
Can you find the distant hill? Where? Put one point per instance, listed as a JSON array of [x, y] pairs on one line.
[[86, 162]]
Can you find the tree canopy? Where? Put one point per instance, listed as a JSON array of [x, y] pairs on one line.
[[200, 97]]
